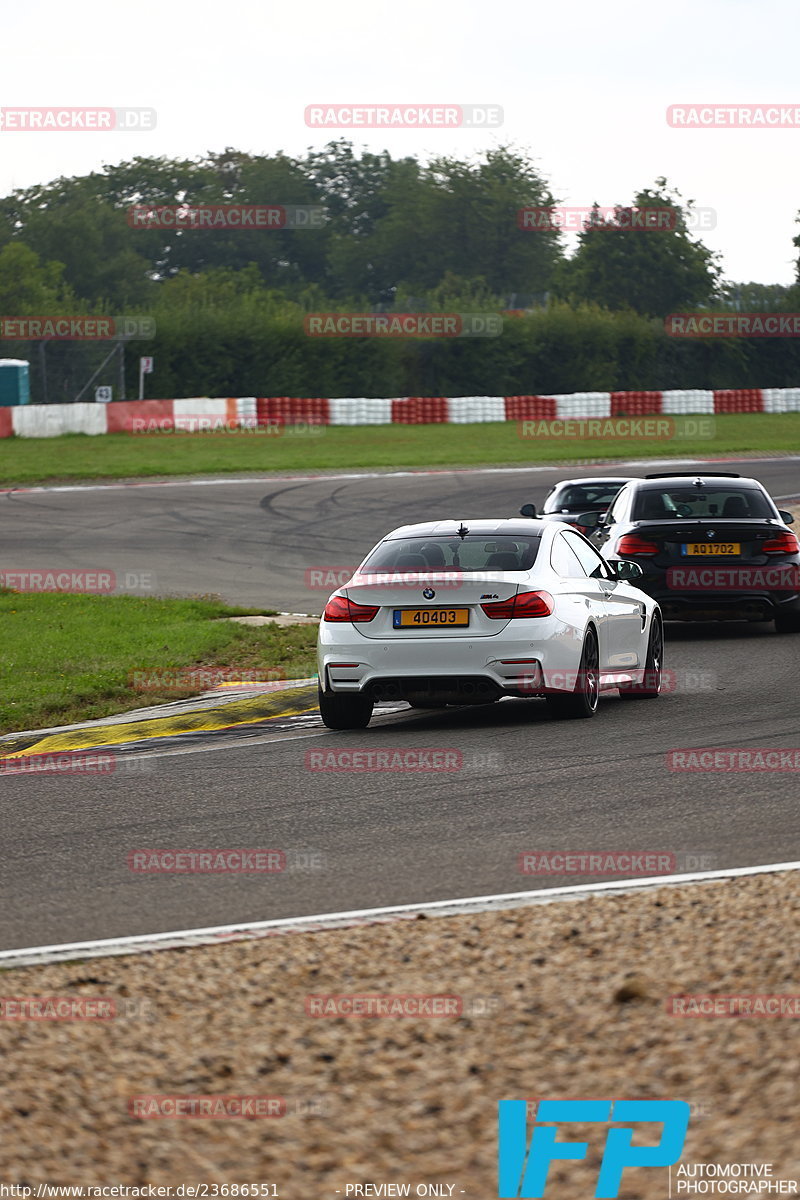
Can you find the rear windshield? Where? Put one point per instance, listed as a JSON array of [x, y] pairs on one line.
[[581, 497], [714, 500], [473, 553]]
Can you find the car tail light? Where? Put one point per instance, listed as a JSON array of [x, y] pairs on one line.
[[524, 604], [784, 543], [341, 608], [631, 543]]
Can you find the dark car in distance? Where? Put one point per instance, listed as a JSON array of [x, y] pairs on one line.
[[568, 499]]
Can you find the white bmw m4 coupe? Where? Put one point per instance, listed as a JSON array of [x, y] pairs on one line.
[[467, 612]]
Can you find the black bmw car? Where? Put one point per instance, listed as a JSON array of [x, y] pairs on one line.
[[713, 547]]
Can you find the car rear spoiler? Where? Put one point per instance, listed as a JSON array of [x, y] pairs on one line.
[[695, 475]]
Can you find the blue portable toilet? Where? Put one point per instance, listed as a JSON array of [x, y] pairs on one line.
[[15, 385]]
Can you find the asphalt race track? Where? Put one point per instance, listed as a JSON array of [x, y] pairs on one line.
[[252, 541], [363, 839]]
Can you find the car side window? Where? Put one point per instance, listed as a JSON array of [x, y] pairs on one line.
[[563, 561], [592, 563]]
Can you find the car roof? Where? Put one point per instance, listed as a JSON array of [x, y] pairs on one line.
[[483, 526], [595, 479]]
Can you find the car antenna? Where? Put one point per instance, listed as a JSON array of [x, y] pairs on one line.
[[462, 531]]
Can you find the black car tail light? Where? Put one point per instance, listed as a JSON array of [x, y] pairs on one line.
[[631, 543]]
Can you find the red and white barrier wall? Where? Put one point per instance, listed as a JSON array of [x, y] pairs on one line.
[[202, 413]]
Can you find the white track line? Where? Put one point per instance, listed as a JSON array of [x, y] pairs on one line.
[[141, 943], [322, 478]]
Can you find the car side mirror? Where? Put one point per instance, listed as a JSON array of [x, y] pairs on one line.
[[591, 520], [627, 570], [528, 510], [785, 516]]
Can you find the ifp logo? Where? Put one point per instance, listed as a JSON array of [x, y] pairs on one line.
[[520, 1178]]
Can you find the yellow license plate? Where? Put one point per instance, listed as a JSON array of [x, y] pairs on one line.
[[423, 618], [713, 549]]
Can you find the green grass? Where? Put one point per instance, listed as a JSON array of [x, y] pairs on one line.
[[69, 658], [76, 456]]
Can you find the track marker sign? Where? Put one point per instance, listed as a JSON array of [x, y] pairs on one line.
[[145, 368]]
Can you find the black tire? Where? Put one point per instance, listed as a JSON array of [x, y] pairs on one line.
[[787, 623], [650, 687], [344, 712], [584, 699]]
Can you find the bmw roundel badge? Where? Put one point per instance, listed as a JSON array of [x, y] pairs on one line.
[[429, 593]]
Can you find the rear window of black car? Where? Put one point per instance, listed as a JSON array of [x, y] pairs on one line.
[[682, 502], [474, 553]]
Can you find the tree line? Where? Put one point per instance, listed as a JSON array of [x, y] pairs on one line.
[[396, 235]]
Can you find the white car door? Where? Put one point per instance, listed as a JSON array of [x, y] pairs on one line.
[[626, 613], [587, 593]]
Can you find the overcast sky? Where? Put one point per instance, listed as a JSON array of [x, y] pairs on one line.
[[584, 87]]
